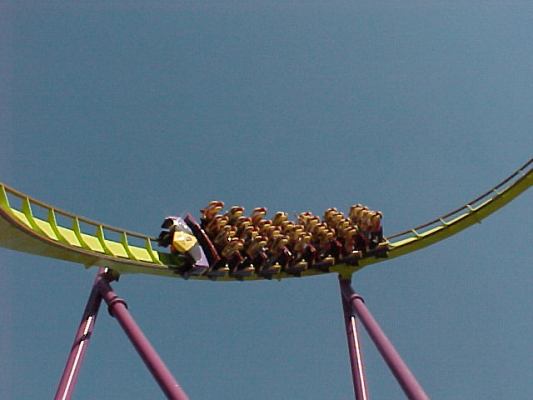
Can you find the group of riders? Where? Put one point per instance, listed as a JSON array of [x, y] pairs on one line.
[[248, 244]]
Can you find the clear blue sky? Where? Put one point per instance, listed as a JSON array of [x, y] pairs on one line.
[[130, 111]]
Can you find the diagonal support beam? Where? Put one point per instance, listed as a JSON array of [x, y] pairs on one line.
[[81, 342], [399, 369], [360, 387], [158, 369]]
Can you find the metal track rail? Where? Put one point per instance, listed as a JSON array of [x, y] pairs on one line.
[[32, 226]]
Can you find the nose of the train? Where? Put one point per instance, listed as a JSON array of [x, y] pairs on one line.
[[183, 241]]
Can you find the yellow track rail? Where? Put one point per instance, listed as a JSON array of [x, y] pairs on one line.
[[31, 226]]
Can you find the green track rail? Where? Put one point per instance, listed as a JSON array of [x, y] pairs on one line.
[[31, 226]]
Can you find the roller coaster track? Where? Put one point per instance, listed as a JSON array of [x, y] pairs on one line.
[[31, 226]]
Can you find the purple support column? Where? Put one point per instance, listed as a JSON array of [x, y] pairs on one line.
[[118, 309], [356, 360], [81, 342], [403, 375]]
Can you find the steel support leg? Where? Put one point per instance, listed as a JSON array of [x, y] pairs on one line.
[[354, 348], [403, 375], [81, 342], [119, 310]]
